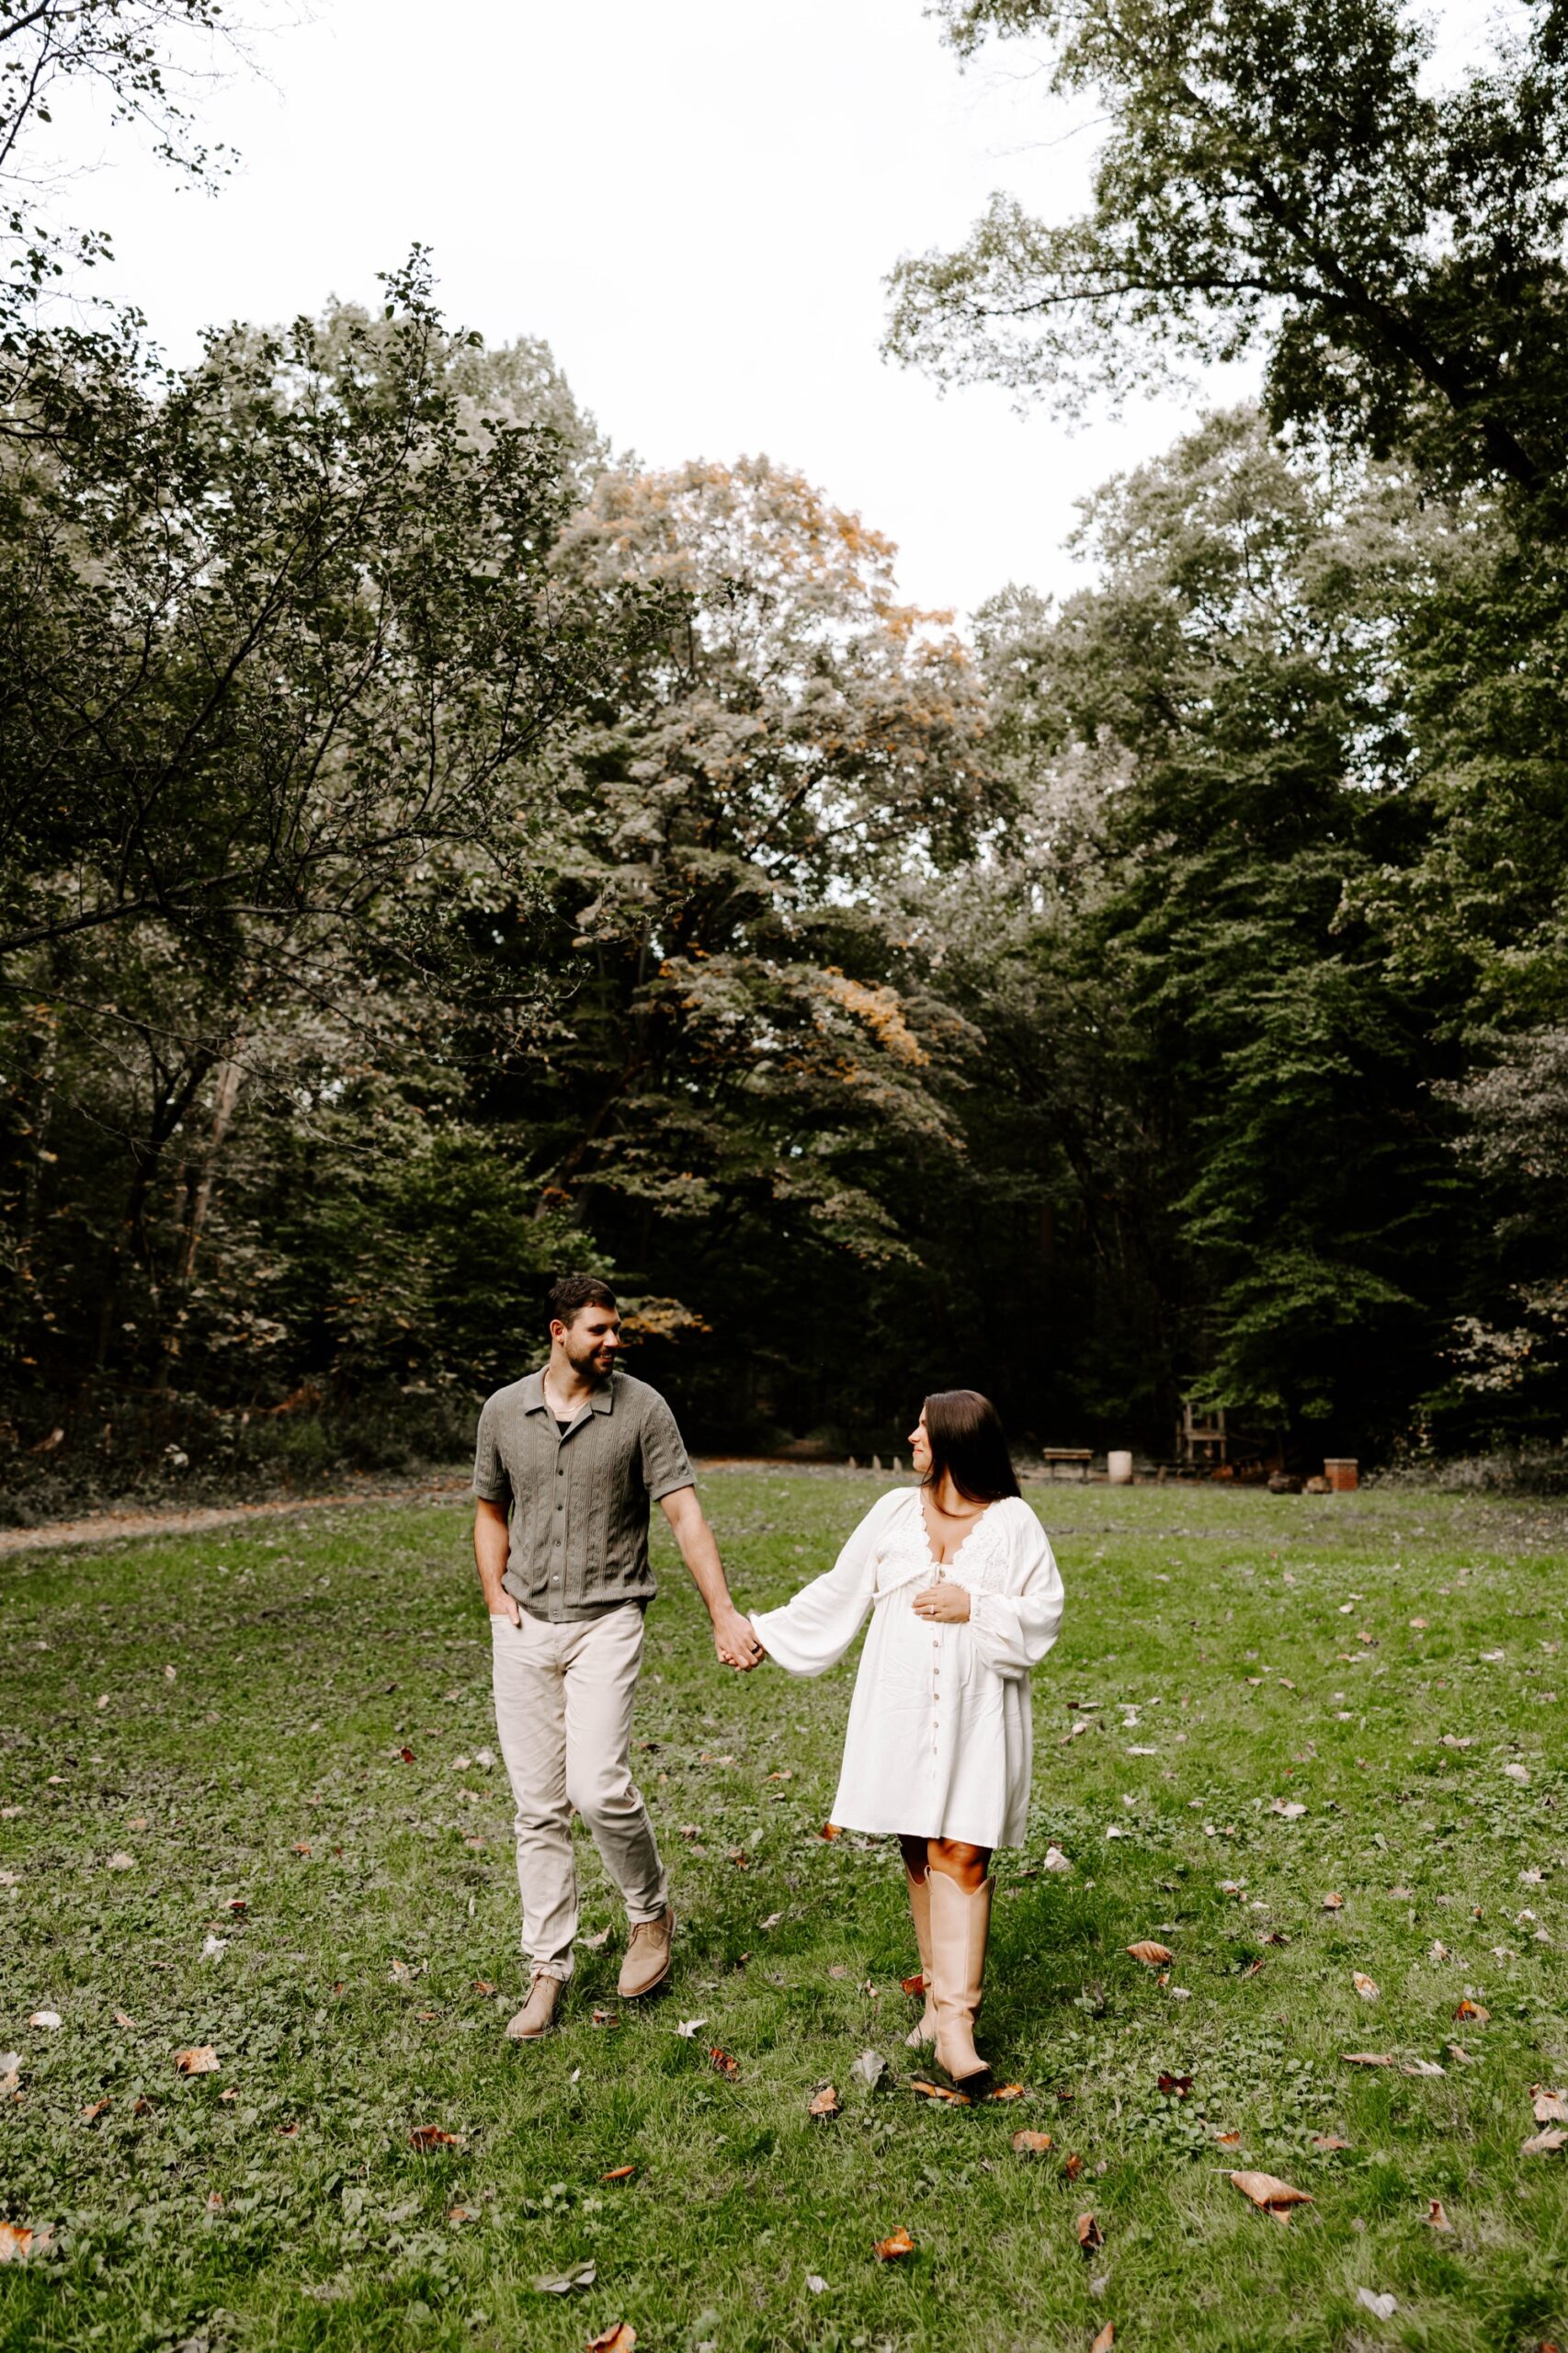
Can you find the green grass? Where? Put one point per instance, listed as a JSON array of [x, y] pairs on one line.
[[307, 1654]]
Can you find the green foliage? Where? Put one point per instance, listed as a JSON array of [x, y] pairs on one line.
[[432, 852], [1284, 175], [1214, 770]]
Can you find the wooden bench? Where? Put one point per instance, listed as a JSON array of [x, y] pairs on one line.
[[1067, 1461]]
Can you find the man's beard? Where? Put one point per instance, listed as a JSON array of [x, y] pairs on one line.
[[586, 1364]]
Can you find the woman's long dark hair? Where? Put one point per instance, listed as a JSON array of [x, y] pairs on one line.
[[969, 1443]]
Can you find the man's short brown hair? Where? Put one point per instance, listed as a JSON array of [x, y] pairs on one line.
[[569, 1294]]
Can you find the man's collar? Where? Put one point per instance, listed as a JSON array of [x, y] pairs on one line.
[[600, 1401]]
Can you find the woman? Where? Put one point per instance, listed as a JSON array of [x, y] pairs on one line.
[[940, 1744]]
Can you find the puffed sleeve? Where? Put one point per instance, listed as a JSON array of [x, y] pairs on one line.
[[1012, 1632], [812, 1633]]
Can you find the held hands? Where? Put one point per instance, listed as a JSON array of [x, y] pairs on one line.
[[944, 1601], [733, 1639]]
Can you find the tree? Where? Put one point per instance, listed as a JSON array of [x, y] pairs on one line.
[[280, 653], [274, 634], [146, 58], [1234, 1080], [1280, 175], [745, 1066]]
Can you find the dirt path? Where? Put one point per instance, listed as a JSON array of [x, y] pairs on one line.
[[111, 1526], [171, 1519]]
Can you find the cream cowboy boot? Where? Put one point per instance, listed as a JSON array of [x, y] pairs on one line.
[[959, 1926], [920, 1911]]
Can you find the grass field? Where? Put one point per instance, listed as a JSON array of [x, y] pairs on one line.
[[294, 1713]]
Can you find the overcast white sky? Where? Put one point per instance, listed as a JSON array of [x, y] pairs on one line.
[[695, 204]]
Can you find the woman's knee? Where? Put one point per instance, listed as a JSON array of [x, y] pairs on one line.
[[958, 1860]]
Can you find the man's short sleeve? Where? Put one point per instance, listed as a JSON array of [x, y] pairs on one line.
[[664, 1463], [491, 1483]]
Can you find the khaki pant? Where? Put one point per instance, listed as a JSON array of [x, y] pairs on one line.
[[563, 1701]]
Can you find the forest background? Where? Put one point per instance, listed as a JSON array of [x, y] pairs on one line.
[[434, 853]]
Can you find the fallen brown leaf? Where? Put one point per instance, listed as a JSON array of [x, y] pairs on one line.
[[1436, 2216], [1072, 2166], [620, 2338], [1334, 1902], [461, 2214], [1475, 2011], [1269, 2193], [1007, 2091], [1090, 2234], [914, 1986], [1152, 1955], [1367, 2058], [199, 2060], [826, 2103], [94, 2109], [1105, 2338], [922, 2089], [606, 2017], [831, 1830], [891, 2250], [141, 2105], [1366, 1987], [1180, 2086], [722, 2065], [1544, 2145], [1031, 2145], [1326, 2140], [618, 2173], [430, 2136], [17, 2242], [1231, 2140], [214, 2202], [120, 2018], [1550, 2107]]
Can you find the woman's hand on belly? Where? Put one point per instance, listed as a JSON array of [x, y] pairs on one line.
[[946, 1602]]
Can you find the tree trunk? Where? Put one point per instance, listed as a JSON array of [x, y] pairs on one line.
[[197, 1201]]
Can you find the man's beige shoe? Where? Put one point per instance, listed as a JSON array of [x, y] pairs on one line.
[[538, 2014], [647, 1961]]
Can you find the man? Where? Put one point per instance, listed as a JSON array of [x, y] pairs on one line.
[[568, 1463]]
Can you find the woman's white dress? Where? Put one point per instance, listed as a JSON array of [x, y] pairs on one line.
[[940, 1742]]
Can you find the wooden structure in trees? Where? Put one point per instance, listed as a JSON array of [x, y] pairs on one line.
[[1202, 1443]]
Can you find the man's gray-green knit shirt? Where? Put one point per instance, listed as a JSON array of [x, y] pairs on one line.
[[578, 1505]]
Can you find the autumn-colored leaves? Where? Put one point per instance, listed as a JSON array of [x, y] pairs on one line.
[[1269, 2194]]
